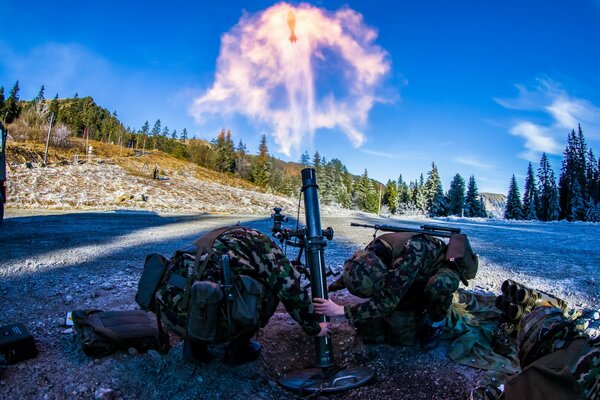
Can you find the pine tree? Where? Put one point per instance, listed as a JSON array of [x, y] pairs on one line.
[[419, 197], [403, 193], [438, 207], [578, 208], [573, 169], [317, 162], [366, 195], [184, 135], [548, 210], [145, 128], [174, 134], [223, 146], [431, 186], [305, 159], [530, 196], [155, 132], [592, 178], [390, 196], [165, 132], [40, 95], [2, 99], [472, 203], [261, 170], [455, 197], [482, 211], [11, 105], [514, 208], [54, 107]]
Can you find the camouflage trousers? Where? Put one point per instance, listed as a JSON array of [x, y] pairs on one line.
[[421, 305]]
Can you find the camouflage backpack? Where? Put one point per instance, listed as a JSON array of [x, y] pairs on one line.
[[213, 307]]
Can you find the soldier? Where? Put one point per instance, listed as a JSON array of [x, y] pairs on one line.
[[252, 254], [558, 361], [397, 271]]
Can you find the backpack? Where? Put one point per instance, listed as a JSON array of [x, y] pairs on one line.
[[461, 256], [203, 309], [104, 332]]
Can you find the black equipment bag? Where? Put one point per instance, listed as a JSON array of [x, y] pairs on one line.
[[16, 343], [105, 332]]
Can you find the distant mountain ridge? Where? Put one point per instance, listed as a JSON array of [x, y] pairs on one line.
[[495, 204]]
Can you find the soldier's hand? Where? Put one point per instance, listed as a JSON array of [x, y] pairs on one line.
[[324, 329], [327, 307]]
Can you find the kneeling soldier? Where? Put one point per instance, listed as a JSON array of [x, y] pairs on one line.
[[226, 287], [398, 272]]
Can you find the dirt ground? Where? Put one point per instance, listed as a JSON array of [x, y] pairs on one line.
[[54, 262]]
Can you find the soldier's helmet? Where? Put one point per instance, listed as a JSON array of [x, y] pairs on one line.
[[544, 330], [363, 274]]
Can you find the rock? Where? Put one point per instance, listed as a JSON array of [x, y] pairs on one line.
[[155, 355], [104, 394], [596, 316], [133, 351], [107, 286], [68, 299], [67, 331]]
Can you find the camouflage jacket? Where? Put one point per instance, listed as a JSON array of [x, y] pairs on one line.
[[253, 253], [421, 258]]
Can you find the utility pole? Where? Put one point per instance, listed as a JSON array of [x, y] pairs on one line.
[[48, 138]]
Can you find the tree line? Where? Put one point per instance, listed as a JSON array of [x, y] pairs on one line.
[[82, 117], [576, 197], [428, 197]]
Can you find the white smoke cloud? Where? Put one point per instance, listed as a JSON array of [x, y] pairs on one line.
[[263, 76]]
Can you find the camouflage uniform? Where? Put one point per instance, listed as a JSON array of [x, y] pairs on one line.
[[414, 276], [558, 361], [251, 253]]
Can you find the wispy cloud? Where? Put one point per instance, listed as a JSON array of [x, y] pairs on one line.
[[538, 139], [380, 154], [472, 162], [564, 110], [263, 76]]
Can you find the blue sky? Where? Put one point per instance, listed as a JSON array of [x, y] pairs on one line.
[[478, 87]]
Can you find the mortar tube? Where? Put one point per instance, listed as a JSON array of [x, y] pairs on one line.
[[315, 258]]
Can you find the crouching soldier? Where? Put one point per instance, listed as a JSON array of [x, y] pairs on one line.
[[558, 361], [401, 274], [223, 289]]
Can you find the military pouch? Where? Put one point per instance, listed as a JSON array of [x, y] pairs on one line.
[[460, 254], [104, 332], [248, 295], [203, 314], [155, 268]]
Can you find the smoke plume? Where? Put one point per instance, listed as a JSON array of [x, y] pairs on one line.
[[326, 78]]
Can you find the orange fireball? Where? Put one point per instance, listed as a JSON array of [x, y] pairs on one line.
[[291, 20]]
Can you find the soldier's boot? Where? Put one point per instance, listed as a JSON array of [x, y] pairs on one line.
[[432, 334], [239, 354], [194, 350], [242, 350]]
